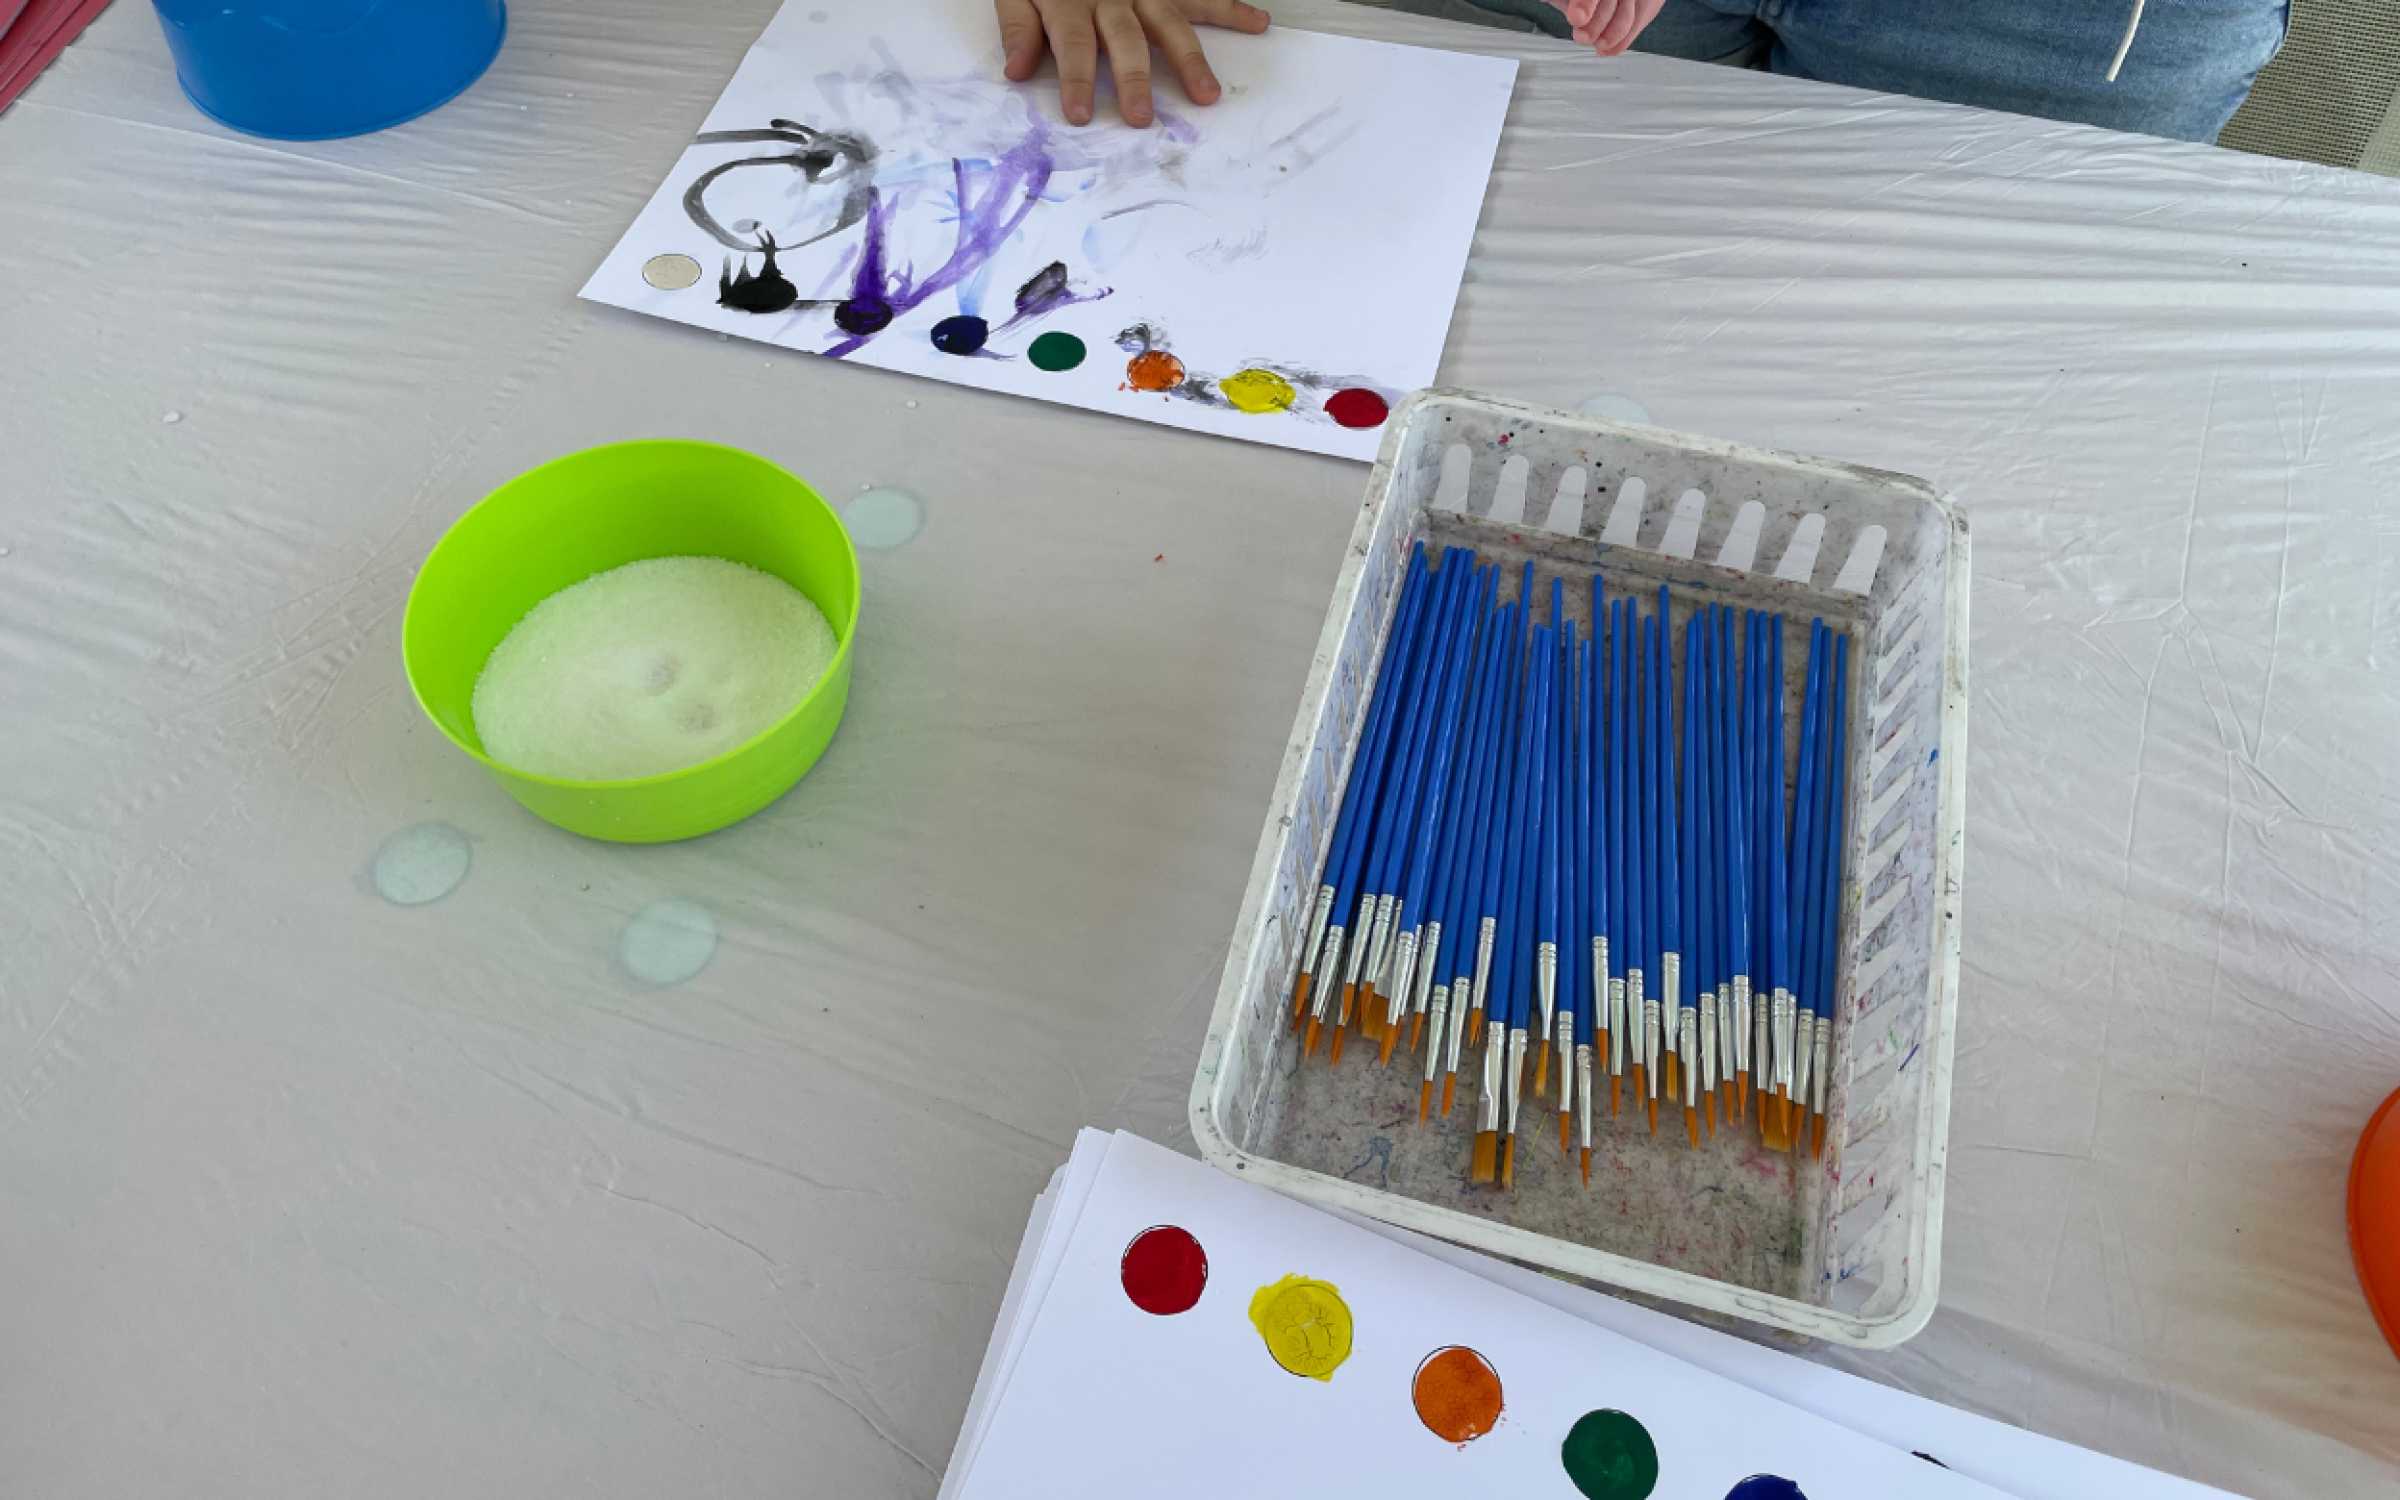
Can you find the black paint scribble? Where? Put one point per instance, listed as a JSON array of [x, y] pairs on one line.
[[822, 157], [768, 291], [1929, 1458], [1046, 291]]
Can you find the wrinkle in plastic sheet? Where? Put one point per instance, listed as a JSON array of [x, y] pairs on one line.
[[306, 1192]]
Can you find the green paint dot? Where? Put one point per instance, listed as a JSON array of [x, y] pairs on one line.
[[1610, 1457], [1056, 351]]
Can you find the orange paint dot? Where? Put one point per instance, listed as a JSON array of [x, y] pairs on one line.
[[1458, 1395], [1154, 370]]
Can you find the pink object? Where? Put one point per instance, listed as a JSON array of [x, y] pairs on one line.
[[37, 31]]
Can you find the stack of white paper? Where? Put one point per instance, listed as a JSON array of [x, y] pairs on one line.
[[1222, 1377]]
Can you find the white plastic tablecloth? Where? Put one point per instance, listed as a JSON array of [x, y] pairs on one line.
[[306, 1193]]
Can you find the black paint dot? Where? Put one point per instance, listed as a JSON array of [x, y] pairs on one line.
[[863, 315]]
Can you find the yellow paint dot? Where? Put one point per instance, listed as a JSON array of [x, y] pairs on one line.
[[1306, 1325], [1258, 392]]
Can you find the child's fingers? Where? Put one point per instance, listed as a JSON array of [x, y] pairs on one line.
[[1181, 44], [1020, 37], [1588, 15], [1128, 60], [1078, 53], [1233, 15], [1625, 25]]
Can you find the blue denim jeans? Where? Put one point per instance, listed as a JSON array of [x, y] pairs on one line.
[[2188, 70]]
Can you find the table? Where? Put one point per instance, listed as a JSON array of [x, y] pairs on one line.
[[304, 1192]]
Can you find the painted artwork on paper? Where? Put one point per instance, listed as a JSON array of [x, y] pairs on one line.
[[871, 189]]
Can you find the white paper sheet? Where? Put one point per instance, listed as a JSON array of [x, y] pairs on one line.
[[1147, 1402], [932, 217]]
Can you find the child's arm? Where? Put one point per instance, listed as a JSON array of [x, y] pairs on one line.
[[1076, 29]]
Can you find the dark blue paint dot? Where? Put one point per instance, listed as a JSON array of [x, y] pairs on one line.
[[1765, 1487], [863, 315], [963, 334]]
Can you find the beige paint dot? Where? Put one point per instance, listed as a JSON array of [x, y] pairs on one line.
[[670, 273]]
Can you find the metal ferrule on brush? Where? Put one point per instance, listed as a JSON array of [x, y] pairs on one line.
[[1803, 1054], [1460, 988], [1780, 1008], [1431, 955], [1379, 953], [1404, 972], [1322, 991], [1358, 942], [1483, 961], [1545, 988], [1516, 1077], [1439, 1004], [1741, 1024], [1708, 1041], [1823, 1051], [1638, 1011], [1487, 1105], [1566, 1049], [1689, 1077], [1726, 1045], [1322, 914], [1670, 987], [1618, 1033]]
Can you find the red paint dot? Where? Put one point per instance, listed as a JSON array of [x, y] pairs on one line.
[[1357, 408], [1164, 1270]]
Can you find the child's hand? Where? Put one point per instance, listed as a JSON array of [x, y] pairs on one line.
[[1075, 29], [1608, 27]]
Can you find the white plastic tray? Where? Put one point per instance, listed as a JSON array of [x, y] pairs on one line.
[[1846, 1247]]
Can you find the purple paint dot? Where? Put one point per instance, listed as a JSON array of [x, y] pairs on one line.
[[963, 334], [863, 315]]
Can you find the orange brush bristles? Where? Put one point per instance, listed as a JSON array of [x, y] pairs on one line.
[[1300, 1002], [1486, 1152]]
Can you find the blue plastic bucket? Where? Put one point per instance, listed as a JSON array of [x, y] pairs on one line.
[[309, 70]]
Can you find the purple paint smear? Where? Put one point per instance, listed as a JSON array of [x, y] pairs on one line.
[[986, 221]]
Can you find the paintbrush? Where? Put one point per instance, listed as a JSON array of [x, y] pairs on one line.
[[1779, 910], [1623, 1015], [1550, 876], [1574, 942], [1600, 1021], [1699, 919], [1421, 802], [1734, 1006], [1386, 856], [1836, 813], [1343, 864], [1480, 900], [1545, 991], [1509, 840], [1807, 874], [1539, 683], [1641, 1008], [1447, 921], [1682, 1020]]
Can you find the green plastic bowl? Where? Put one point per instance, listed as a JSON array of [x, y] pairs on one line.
[[599, 509]]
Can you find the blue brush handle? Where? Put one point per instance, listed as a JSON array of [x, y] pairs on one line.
[[1836, 814], [1804, 819], [1442, 748], [1358, 799], [1408, 744], [1459, 824]]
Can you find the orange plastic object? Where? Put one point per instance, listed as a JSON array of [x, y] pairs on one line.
[[2375, 1216]]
